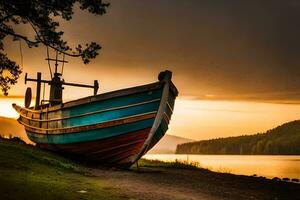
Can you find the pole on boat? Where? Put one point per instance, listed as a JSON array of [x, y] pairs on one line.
[[39, 81], [38, 89], [96, 87]]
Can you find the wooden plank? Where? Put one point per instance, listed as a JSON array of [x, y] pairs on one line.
[[159, 117], [111, 151], [76, 129], [171, 109], [85, 114]]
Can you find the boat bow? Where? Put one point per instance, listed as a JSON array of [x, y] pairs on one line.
[[165, 77]]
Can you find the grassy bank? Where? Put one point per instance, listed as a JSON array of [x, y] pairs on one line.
[[145, 163], [27, 172]]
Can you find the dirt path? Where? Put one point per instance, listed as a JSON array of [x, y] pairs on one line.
[[150, 184], [179, 184]]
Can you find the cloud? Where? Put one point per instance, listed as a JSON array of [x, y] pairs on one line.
[[232, 49]]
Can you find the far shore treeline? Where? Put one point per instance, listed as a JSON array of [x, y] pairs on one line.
[[282, 140]]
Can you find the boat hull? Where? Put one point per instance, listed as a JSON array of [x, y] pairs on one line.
[[114, 128]]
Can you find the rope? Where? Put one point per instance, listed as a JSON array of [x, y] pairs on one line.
[[43, 93], [63, 64], [49, 62], [21, 53], [56, 64]]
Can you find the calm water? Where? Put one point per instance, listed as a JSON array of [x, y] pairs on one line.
[[268, 166]]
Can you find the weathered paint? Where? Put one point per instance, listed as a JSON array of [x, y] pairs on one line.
[[116, 127], [90, 135]]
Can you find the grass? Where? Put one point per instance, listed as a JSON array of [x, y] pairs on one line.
[[178, 164], [27, 172]]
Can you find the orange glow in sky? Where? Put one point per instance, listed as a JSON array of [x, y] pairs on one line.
[[6, 109], [230, 60], [203, 119]]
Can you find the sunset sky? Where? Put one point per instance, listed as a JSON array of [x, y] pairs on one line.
[[235, 63]]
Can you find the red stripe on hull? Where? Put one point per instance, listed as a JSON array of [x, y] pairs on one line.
[[111, 151]]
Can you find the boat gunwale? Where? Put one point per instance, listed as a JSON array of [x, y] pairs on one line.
[[75, 129], [99, 97], [104, 96], [88, 113]]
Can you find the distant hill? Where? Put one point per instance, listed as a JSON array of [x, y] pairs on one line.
[[11, 127], [282, 140], [168, 144]]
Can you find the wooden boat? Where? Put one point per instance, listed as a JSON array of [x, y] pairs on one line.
[[115, 128]]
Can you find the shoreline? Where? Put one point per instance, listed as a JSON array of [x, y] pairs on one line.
[[271, 167], [157, 180], [27, 172], [197, 165]]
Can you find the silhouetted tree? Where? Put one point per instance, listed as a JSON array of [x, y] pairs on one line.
[[40, 15]]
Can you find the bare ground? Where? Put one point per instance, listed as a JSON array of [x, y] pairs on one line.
[[27, 172], [177, 184]]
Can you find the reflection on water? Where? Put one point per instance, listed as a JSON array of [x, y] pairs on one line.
[[268, 166]]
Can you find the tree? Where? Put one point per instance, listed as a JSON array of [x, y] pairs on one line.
[[40, 15], [269, 148]]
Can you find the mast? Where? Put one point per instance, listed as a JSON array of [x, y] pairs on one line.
[[56, 84]]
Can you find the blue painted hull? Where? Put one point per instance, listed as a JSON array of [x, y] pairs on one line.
[[115, 128]]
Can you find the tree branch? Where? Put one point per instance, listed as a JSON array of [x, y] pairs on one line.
[[19, 36], [49, 45]]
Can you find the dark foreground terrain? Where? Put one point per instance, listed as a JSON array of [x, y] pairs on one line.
[[27, 172]]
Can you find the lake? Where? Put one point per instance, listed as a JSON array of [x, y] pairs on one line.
[[261, 165]]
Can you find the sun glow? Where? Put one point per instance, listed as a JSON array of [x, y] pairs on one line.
[[6, 109], [202, 119]]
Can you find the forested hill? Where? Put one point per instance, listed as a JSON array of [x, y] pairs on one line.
[[282, 140]]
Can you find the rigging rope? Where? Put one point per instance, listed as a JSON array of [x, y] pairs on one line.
[[56, 64], [63, 64], [49, 62], [43, 93], [21, 53]]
